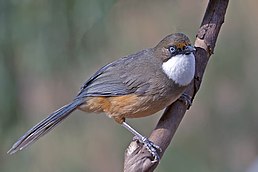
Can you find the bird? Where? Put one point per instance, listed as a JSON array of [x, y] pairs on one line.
[[133, 86]]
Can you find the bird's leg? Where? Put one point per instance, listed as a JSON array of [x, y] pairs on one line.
[[186, 99], [151, 147]]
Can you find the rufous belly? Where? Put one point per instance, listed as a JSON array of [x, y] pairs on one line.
[[126, 106]]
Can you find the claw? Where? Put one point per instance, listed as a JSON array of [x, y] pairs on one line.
[[186, 99], [152, 148]]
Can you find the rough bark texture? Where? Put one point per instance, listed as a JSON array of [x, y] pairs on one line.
[[137, 158]]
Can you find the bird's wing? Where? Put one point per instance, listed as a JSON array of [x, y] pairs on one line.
[[121, 77]]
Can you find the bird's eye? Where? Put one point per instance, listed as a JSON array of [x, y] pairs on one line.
[[172, 49]]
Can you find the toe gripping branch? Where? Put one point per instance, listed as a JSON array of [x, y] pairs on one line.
[[150, 146], [186, 99]]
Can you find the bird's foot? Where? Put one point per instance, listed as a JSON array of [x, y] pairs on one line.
[[186, 99], [151, 147]]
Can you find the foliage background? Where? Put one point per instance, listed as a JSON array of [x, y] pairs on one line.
[[49, 48]]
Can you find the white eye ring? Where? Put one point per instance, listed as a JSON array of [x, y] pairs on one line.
[[172, 49]]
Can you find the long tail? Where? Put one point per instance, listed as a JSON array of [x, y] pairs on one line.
[[44, 126]]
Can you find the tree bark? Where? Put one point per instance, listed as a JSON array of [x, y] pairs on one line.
[[137, 158]]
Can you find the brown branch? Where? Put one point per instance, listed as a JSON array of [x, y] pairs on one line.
[[137, 158]]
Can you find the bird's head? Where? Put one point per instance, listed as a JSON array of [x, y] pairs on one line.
[[178, 61], [172, 45]]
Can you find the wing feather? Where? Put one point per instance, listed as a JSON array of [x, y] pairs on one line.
[[114, 78]]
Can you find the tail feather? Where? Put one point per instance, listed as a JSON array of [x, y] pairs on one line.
[[44, 126]]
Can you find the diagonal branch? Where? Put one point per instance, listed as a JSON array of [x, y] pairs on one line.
[[137, 158]]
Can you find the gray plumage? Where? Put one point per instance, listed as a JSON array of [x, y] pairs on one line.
[[113, 79], [44, 126], [139, 74]]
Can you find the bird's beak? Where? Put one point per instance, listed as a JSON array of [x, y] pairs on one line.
[[189, 49]]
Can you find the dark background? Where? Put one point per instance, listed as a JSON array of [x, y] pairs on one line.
[[49, 48]]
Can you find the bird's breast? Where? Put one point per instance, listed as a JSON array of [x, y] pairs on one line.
[[180, 68]]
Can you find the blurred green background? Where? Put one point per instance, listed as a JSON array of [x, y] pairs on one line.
[[49, 48]]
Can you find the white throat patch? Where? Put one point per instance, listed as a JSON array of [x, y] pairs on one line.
[[180, 68]]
